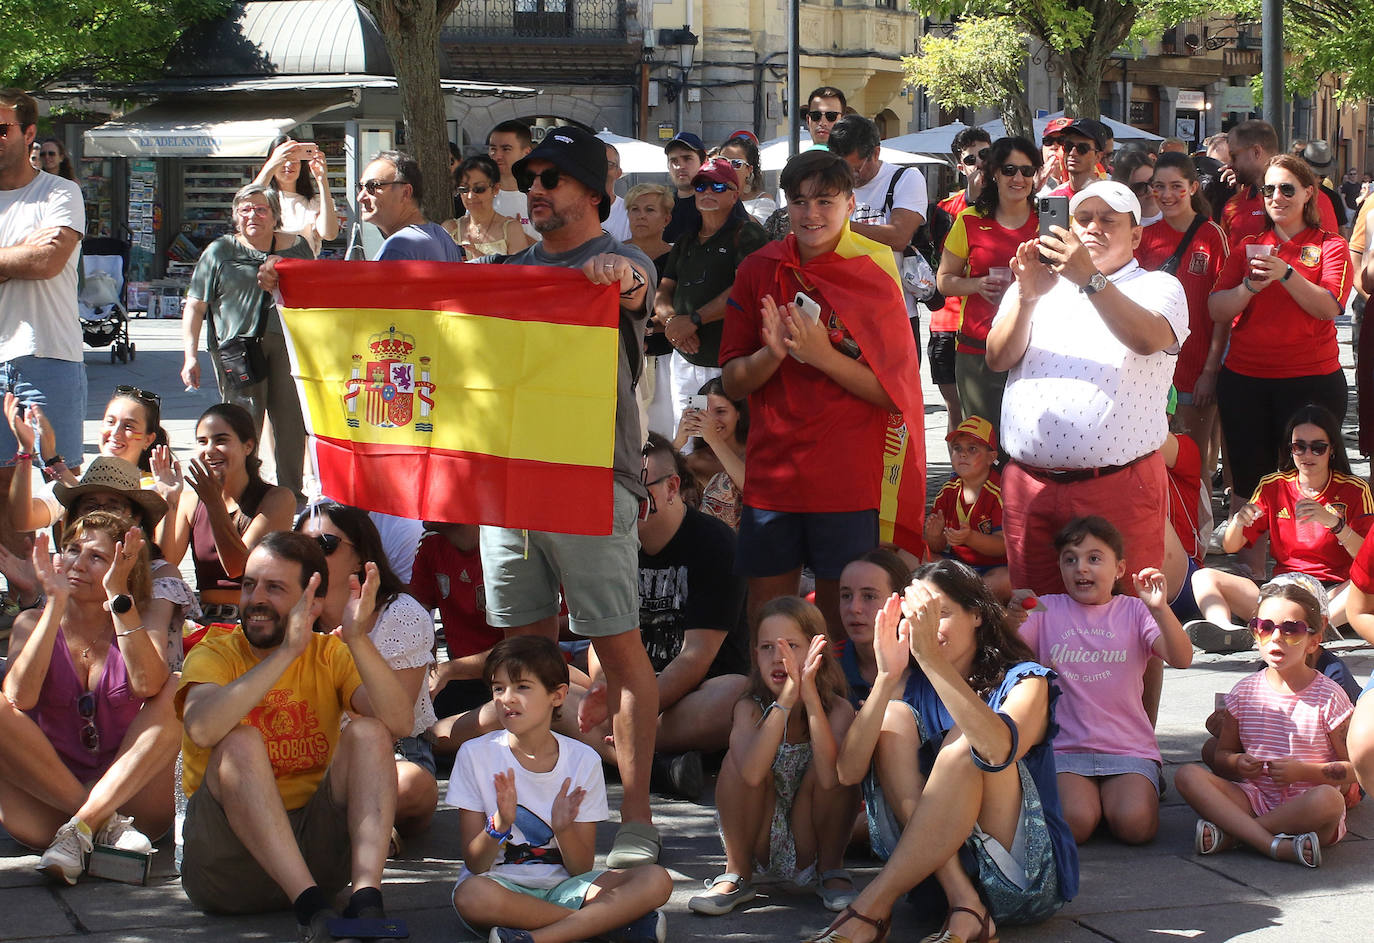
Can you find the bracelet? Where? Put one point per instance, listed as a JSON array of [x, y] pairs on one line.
[[987, 767], [130, 632], [501, 837], [23, 456], [772, 707], [1287, 275], [1246, 282], [55, 460], [1338, 528]]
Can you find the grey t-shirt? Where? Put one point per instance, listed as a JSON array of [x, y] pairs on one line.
[[424, 241], [628, 440]]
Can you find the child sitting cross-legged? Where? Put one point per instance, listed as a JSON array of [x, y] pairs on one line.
[[529, 800]]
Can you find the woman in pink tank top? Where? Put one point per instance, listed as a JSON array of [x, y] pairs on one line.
[[88, 731]]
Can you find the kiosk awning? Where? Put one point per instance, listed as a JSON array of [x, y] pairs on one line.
[[206, 127]]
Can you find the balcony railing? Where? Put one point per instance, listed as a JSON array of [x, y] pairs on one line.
[[538, 21]]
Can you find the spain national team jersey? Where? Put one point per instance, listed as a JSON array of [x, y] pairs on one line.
[[1308, 547], [984, 516]]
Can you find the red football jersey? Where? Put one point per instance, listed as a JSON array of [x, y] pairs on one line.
[[984, 516], [1310, 547]]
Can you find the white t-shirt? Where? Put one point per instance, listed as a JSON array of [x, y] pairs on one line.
[[404, 636], [298, 217], [531, 857], [618, 223], [516, 205], [1079, 398], [909, 194], [38, 316]]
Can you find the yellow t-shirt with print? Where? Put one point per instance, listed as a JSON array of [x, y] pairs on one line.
[[298, 718]]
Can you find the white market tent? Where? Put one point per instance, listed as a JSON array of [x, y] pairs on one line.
[[930, 141], [636, 156], [1122, 132]]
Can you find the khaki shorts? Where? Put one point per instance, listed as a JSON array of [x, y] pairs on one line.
[[220, 875]]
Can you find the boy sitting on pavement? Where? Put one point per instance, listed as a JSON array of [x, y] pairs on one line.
[[965, 522], [529, 829]]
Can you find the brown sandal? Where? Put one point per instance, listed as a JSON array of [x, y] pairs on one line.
[[944, 936], [831, 934]]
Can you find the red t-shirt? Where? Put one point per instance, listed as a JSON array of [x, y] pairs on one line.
[[813, 446], [1243, 215], [450, 580], [1198, 270], [1185, 496], [986, 244], [947, 318], [1274, 337], [1362, 570], [985, 516], [1309, 548]]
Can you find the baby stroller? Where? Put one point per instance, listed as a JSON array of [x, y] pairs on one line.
[[104, 319]]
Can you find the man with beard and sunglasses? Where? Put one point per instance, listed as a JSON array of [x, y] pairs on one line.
[[285, 809], [565, 177]]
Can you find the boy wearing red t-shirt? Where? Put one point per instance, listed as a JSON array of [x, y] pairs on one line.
[[965, 522], [820, 390]]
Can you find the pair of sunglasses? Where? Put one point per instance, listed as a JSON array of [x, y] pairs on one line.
[[1081, 147], [548, 178], [831, 116], [1011, 170], [971, 159], [372, 186], [477, 190], [1287, 189], [330, 543], [1292, 633], [716, 186], [90, 737], [125, 390], [1302, 447]]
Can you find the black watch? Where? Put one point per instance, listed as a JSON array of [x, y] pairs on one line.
[[1095, 284], [1287, 274], [695, 318], [121, 603]]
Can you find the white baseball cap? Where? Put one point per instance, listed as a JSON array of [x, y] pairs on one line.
[[1116, 195]]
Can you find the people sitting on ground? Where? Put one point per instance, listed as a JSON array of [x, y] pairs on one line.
[[1099, 644], [225, 512], [481, 230], [741, 149], [297, 172], [528, 801], [1315, 513], [402, 632], [965, 522], [780, 803], [448, 577], [1281, 763], [958, 735], [88, 736], [866, 583], [718, 433], [286, 806]]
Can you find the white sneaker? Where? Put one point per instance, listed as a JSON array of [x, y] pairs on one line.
[[119, 832], [65, 857]]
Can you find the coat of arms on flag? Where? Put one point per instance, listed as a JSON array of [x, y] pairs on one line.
[[389, 385]]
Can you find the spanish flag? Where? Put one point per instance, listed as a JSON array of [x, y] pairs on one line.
[[481, 394], [861, 275]]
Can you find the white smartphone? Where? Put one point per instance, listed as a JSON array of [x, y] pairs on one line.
[[807, 307], [698, 401]]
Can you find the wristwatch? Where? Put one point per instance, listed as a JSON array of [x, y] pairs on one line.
[[1095, 284], [1287, 274], [695, 318]]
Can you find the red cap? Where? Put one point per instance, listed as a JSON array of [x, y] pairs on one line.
[[720, 170]]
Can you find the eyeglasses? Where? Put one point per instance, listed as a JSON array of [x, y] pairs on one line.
[[1011, 170], [1302, 447], [475, 191], [1293, 633], [970, 159], [737, 162], [330, 543], [831, 116], [1287, 189], [125, 390], [1080, 147], [372, 186], [549, 178], [85, 706], [716, 186], [253, 209]]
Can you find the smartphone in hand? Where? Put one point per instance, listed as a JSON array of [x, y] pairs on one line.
[[1052, 211]]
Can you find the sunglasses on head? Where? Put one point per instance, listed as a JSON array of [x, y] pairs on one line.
[[1302, 447], [478, 190], [85, 706], [1287, 189], [716, 186], [548, 178], [1079, 147], [372, 186], [971, 159], [1011, 170], [1293, 633], [831, 116], [330, 543], [125, 390]]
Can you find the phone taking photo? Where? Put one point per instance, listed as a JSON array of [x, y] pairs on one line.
[[1052, 211], [698, 402]]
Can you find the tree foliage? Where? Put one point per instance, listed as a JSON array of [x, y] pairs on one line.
[[979, 66], [106, 40]]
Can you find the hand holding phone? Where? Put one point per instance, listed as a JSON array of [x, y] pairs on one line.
[[699, 402], [1052, 211]]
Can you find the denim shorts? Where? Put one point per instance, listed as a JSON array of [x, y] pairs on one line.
[[523, 571], [59, 387], [571, 893], [416, 750], [775, 542], [1102, 765]]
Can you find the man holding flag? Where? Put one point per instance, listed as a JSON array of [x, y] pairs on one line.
[[565, 177], [816, 335]]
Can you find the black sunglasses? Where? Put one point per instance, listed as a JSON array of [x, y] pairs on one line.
[[1080, 147], [125, 390], [330, 543], [478, 190], [548, 178], [1011, 170], [827, 115], [85, 706], [1287, 189], [1140, 188], [716, 186], [1302, 447], [971, 159], [372, 186]]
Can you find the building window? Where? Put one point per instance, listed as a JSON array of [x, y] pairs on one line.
[[543, 17]]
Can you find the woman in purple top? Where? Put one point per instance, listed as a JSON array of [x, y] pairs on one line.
[[88, 734]]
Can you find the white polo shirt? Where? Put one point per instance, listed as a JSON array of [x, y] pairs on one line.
[[38, 316], [1079, 398]]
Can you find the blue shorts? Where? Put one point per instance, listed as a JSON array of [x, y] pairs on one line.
[[1184, 605], [1104, 765], [775, 542], [59, 387], [418, 751], [571, 893]]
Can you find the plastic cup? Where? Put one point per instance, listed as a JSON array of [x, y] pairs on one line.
[[1253, 251]]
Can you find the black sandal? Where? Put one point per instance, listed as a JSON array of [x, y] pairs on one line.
[[831, 934]]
